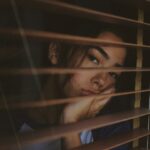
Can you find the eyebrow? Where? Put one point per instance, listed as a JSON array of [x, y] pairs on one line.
[[102, 51]]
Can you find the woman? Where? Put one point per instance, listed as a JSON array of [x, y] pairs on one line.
[[81, 84]]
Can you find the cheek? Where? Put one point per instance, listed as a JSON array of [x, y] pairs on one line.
[[111, 82], [76, 82], [72, 86]]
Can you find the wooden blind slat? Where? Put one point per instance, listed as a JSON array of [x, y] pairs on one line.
[[47, 71], [63, 130], [45, 103], [115, 141], [140, 148], [61, 7], [47, 36]]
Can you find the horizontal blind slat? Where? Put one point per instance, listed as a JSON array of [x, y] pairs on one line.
[[47, 71], [116, 140], [45, 103], [47, 36], [74, 10]]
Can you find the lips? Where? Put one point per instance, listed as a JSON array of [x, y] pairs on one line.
[[88, 92]]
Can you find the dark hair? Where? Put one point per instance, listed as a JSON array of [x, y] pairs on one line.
[[68, 50]]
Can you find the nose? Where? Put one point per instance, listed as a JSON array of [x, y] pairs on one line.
[[99, 81]]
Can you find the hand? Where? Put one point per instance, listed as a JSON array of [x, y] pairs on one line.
[[80, 110], [86, 108]]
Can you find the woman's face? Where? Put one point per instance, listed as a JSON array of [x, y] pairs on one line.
[[83, 84]]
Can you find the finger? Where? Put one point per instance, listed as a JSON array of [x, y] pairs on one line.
[[98, 104], [96, 107], [105, 93], [108, 88]]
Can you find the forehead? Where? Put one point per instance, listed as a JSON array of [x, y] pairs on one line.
[[107, 35], [116, 54]]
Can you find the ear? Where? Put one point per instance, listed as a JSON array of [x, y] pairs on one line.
[[53, 52]]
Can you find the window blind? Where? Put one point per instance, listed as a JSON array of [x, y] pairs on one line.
[[25, 34]]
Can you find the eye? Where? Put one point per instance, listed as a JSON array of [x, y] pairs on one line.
[[114, 75], [93, 59]]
